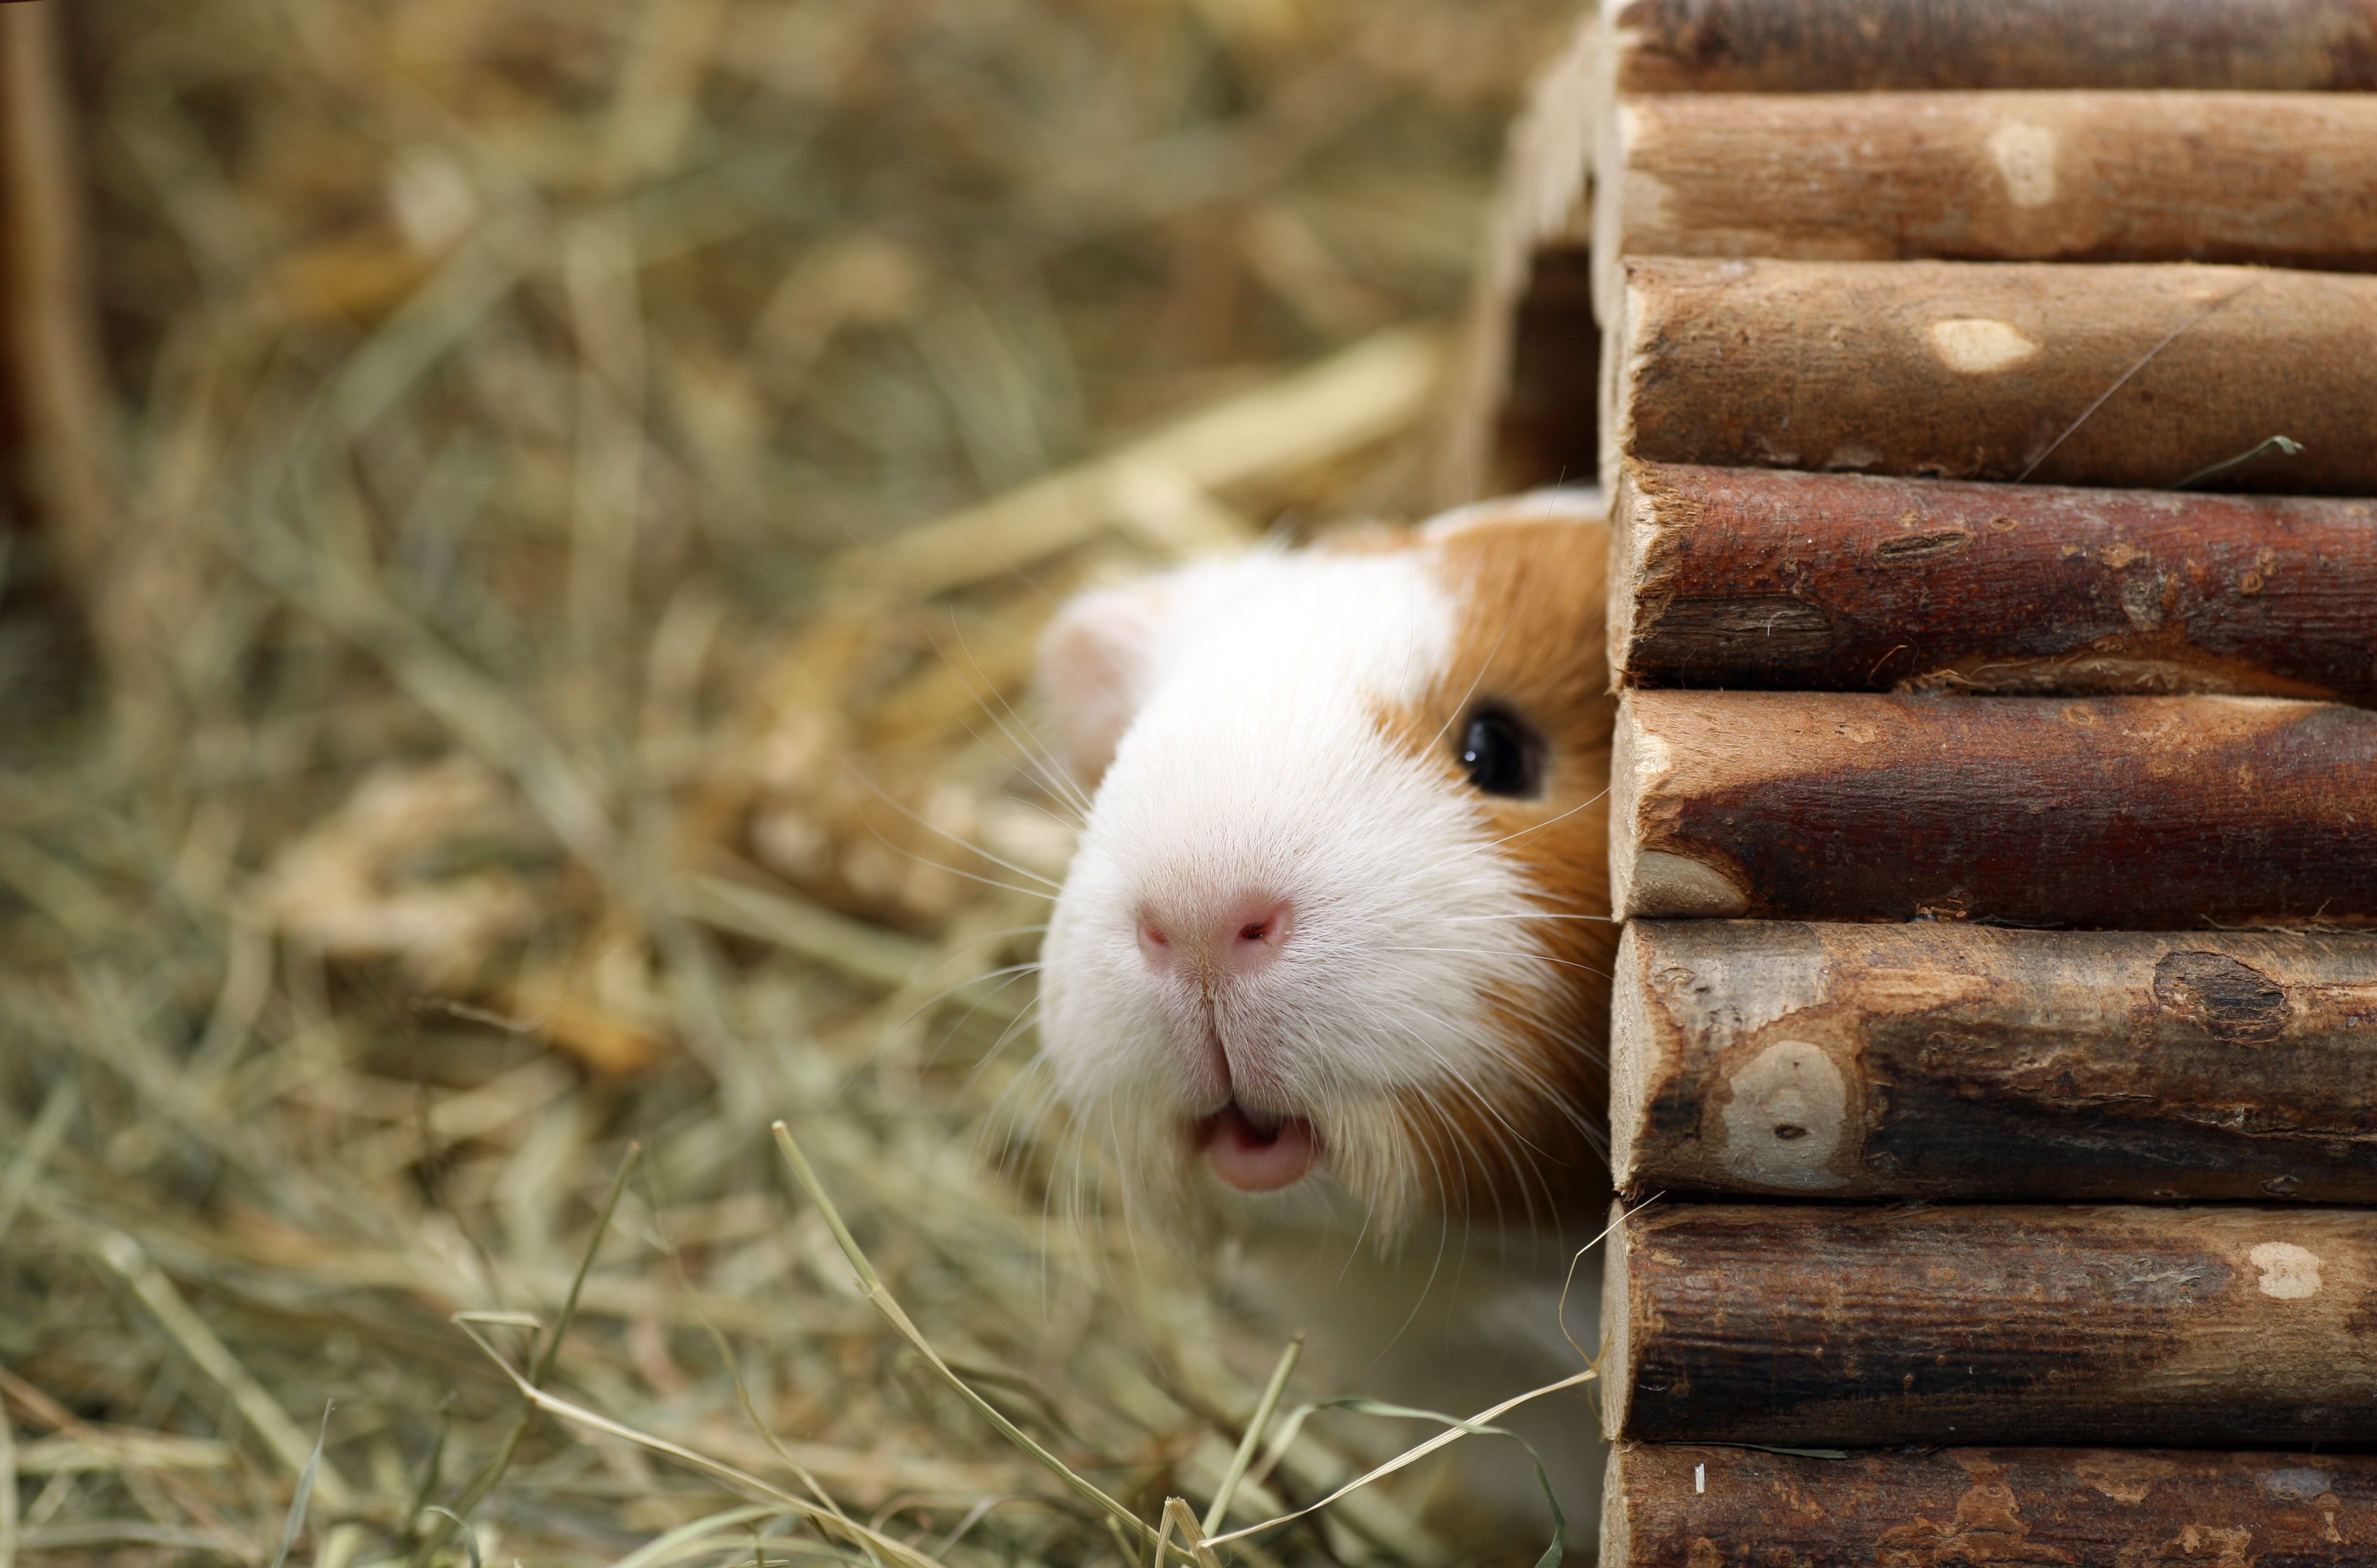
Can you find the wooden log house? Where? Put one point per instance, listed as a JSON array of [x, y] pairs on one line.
[[1982, 390]]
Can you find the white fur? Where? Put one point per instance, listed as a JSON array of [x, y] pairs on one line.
[[1255, 760]]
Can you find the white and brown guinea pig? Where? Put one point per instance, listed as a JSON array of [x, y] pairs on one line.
[[1341, 905]]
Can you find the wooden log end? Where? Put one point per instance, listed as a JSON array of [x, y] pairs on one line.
[[1621, 364], [1630, 1059], [1627, 544], [1617, 1533], [1617, 1358], [1644, 881]]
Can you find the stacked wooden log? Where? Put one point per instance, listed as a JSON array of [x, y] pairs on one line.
[[1988, 404]]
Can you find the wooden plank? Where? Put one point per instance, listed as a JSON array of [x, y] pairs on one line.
[[2143, 812], [2279, 179], [1980, 1323], [1942, 1061], [1862, 45], [1675, 1505], [1762, 578], [2080, 375]]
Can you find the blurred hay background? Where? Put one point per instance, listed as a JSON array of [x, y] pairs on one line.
[[544, 667]]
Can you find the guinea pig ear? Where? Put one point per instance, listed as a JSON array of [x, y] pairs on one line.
[[1094, 660]]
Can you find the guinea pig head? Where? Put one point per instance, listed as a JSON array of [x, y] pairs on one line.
[[1341, 903]]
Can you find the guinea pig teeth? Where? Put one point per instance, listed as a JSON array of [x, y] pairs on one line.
[[1266, 1123]]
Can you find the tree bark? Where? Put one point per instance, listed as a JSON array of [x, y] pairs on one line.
[[2119, 811], [1691, 1506], [2065, 1323], [1864, 45], [2271, 179], [2080, 375], [1965, 1062], [1764, 579]]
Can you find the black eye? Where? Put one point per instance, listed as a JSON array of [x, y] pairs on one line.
[[1502, 753]]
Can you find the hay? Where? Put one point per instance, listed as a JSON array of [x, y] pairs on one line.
[[586, 479]]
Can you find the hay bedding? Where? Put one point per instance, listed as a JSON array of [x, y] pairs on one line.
[[553, 689]]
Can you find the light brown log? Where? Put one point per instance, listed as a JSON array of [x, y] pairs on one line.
[[2079, 374], [2140, 812], [1863, 45], [1742, 577], [1676, 1505], [1942, 1061], [2273, 179], [1807, 1324]]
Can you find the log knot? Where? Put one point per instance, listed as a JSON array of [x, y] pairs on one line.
[[1917, 548], [2233, 1001]]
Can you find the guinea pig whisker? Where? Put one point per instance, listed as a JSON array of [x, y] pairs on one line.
[[1561, 1102], [1020, 1022], [1035, 752], [1549, 821], [907, 854], [1504, 952], [1042, 770], [1027, 1103], [1499, 1127], [1058, 780], [1461, 1083], [1529, 1076], [1497, 1150], [1001, 935], [1453, 716], [1006, 975], [1073, 823], [932, 827], [1530, 915]]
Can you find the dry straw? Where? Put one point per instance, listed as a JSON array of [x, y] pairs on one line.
[[530, 663]]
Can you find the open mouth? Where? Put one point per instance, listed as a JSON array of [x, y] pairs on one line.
[[1256, 1151]]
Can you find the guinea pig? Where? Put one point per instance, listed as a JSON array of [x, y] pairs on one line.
[[1341, 902]]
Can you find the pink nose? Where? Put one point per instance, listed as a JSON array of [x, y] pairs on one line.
[[1236, 938]]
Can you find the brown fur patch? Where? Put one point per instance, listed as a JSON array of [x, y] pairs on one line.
[[1533, 642]]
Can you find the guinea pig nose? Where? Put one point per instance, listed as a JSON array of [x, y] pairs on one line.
[[1155, 943], [1233, 937], [1254, 929]]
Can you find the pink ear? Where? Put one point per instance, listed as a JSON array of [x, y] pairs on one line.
[[1093, 667]]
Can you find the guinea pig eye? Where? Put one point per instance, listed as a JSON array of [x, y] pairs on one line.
[[1501, 753]]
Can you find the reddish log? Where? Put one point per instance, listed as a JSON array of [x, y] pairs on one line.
[[1766, 579], [2111, 374], [1674, 1505], [1803, 1324], [2119, 811], [1862, 45], [1943, 1061]]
